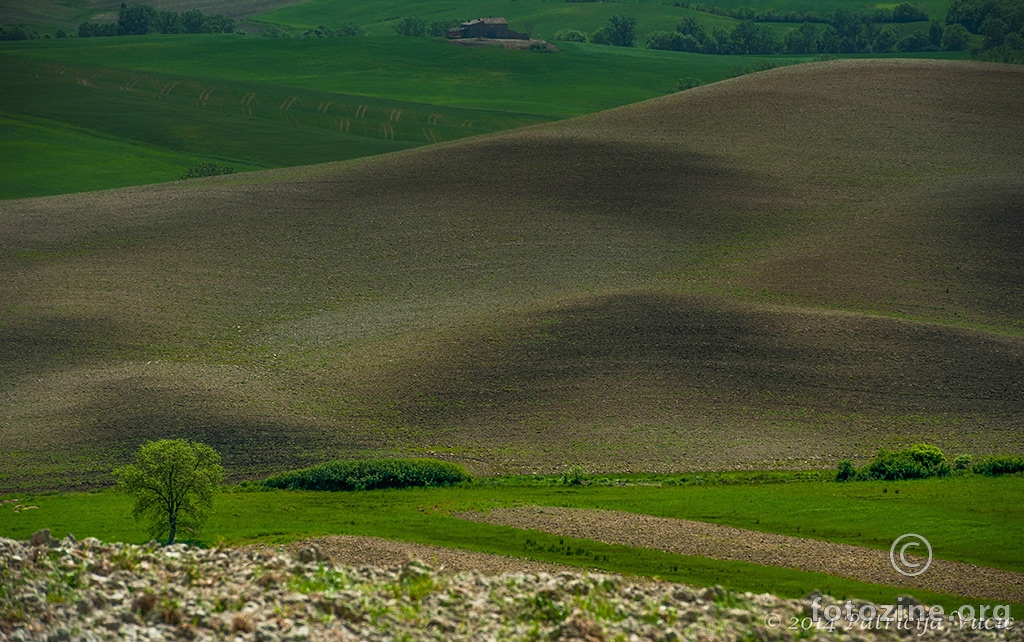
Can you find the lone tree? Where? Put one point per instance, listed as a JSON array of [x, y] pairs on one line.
[[622, 30], [173, 482]]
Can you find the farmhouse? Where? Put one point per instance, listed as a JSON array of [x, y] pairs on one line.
[[487, 28]]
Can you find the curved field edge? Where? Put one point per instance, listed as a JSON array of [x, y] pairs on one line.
[[356, 97], [421, 516]]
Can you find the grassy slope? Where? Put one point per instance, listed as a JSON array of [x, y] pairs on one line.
[[187, 95], [47, 157], [677, 284], [855, 513], [404, 69]]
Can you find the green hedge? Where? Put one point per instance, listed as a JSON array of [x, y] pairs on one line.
[[917, 462], [920, 461], [999, 465], [924, 460], [371, 474]]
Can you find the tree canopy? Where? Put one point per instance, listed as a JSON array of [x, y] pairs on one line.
[[173, 482]]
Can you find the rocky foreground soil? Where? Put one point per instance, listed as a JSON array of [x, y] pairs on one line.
[[70, 590]]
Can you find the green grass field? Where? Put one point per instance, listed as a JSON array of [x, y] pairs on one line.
[[48, 157], [569, 83], [361, 97], [356, 97], [965, 519]]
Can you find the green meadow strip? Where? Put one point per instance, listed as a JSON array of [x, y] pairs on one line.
[[250, 516]]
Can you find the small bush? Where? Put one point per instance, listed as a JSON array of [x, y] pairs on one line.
[[601, 37], [347, 29], [575, 476], [687, 83], [996, 465], [665, 40], [350, 29], [371, 474], [412, 26], [962, 462], [917, 462], [570, 35], [200, 170], [846, 471], [274, 31], [760, 65], [440, 28]]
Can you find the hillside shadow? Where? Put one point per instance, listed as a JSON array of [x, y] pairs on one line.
[[577, 361], [646, 180], [40, 344], [989, 216], [106, 432]]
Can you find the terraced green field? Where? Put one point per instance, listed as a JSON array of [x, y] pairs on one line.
[[869, 515], [141, 97], [44, 156], [572, 82]]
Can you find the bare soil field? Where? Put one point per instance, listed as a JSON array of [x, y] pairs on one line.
[[782, 270], [688, 537]]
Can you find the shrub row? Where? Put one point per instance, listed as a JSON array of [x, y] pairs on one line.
[[999, 465], [371, 474], [921, 461], [202, 170]]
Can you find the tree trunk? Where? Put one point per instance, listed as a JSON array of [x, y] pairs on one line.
[[174, 526]]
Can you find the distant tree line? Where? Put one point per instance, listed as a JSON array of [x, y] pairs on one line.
[[1000, 22], [142, 19], [24, 32], [18, 32], [845, 31], [417, 27], [904, 12], [619, 32], [345, 30]]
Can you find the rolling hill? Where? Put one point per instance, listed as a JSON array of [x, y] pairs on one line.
[[144, 109], [779, 270]]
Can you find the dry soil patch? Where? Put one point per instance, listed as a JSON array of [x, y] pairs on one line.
[[687, 537]]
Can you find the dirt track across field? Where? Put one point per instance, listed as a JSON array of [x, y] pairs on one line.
[[725, 542]]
